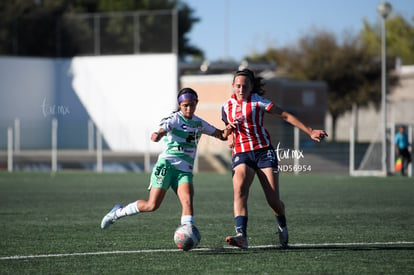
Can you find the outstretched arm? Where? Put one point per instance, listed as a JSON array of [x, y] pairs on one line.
[[316, 135]]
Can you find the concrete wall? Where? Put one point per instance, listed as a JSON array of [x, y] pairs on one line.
[[27, 92], [137, 91]]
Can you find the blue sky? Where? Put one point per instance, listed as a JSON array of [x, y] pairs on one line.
[[232, 29]]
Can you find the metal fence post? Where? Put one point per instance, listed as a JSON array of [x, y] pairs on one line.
[[99, 165], [10, 149], [16, 134], [54, 144]]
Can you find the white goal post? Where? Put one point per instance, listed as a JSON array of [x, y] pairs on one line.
[[371, 165]]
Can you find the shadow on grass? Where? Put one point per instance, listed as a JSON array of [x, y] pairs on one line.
[[299, 248]]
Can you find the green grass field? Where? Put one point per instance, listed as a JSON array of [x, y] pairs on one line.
[[50, 224]]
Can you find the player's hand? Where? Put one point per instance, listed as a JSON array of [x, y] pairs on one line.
[[156, 136], [318, 135], [231, 125]]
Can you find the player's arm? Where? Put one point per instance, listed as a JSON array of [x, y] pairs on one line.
[[221, 134], [156, 136], [224, 134], [316, 135]]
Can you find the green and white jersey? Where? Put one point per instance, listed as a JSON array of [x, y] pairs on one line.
[[182, 138]]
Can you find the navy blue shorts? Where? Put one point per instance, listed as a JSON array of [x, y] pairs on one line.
[[257, 159]]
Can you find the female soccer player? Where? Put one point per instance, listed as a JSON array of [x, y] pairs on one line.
[[180, 132], [253, 152]]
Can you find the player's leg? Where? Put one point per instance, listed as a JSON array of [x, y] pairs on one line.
[[270, 184], [185, 193], [154, 201], [160, 182], [243, 177], [268, 175], [242, 180], [184, 188], [269, 181]]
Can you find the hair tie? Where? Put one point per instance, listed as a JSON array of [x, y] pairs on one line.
[[187, 96]]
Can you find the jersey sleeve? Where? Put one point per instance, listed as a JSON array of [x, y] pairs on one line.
[[208, 128], [167, 123], [265, 103], [224, 112]]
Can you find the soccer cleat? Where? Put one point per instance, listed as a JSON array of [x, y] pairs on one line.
[[110, 217], [239, 240], [283, 236]]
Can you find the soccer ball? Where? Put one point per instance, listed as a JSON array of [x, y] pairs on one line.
[[187, 237]]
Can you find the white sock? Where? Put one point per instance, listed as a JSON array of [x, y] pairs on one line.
[[187, 219], [128, 210]]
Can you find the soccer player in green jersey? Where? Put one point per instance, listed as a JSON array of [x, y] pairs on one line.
[[174, 168]]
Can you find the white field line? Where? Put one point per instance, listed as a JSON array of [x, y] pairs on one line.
[[212, 249]]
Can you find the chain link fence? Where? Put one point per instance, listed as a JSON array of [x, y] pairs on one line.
[[112, 33], [118, 33]]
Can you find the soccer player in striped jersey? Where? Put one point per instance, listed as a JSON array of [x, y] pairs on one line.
[[253, 152], [180, 132]]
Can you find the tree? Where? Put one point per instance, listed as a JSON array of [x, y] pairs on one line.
[[51, 28], [352, 74], [399, 38], [186, 22]]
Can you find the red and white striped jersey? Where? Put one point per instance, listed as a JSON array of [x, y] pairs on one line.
[[248, 115]]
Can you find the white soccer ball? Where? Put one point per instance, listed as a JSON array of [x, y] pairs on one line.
[[187, 237]]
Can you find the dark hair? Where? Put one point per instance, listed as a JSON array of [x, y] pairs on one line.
[[256, 81], [187, 91]]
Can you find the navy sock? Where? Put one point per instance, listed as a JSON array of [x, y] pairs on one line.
[[281, 220], [241, 225]]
